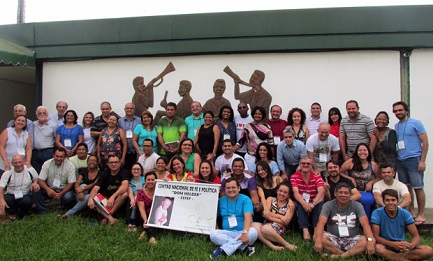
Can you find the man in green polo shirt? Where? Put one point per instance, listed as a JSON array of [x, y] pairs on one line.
[[171, 130]]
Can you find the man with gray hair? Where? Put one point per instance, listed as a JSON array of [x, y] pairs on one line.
[[20, 109], [44, 136], [58, 117], [289, 153]]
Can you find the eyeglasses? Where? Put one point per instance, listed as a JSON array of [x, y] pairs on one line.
[[305, 163], [242, 107]]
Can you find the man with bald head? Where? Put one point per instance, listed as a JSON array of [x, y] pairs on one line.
[[128, 123], [195, 120], [20, 109], [20, 181], [322, 147]]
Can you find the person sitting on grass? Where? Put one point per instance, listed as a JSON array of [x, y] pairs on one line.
[[144, 203], [57, 178], [281, 210], [113, 186], [136, 184], [342, 217], [19, 182], [236, 211], [84, 184], [389, 224]]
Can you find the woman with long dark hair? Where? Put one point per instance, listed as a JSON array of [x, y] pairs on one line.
[[364, 173]]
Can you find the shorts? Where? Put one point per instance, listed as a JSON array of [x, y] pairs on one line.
[[408, 172], [343, 243]]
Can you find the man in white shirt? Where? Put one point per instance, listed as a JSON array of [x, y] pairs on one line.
[[241, 120], [19, 183], [224, 162], [148, 159], [322, 146], [388, 182], [314, 120], [57, 178]]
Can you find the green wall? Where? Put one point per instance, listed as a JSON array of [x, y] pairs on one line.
[[403, 27]]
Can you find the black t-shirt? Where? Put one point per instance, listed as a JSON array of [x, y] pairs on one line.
[[332, 185], [109, 184]]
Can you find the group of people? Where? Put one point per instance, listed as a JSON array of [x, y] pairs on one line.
[[270, 171]]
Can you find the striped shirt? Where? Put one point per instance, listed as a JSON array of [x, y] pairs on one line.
[[356, 131], [315, 181]]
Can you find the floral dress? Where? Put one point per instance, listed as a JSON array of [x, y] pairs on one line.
[[110, 145]]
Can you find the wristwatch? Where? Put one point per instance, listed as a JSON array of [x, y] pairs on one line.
[[244, 231], [369, 239], [314, 203]]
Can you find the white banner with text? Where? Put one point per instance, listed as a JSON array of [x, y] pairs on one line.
[[185, 206]]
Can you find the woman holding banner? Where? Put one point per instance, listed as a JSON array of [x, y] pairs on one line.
[[144, 204], [178, 171]]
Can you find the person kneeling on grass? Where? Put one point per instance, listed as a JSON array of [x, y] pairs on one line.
[[278, 217], [389, 224], [236, 211], [16, 186], [342, 217], [113, 186]]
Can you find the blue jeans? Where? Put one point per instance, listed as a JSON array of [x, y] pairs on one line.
[[81, 204], [42, 208], [303, 215], [408, 172], [20, 206], [40, 156]]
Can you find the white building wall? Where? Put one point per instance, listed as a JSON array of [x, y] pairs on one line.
[[421, 95], [293, 79]]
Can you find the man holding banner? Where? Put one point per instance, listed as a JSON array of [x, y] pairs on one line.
[[236, 211]]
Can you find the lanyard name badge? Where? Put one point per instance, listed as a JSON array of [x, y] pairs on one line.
[[232, 221], [18, 194], [323, 157], [343, 230], [226, 136], [56, 183], [129, 134], [306, 197], [21, 151], [400, 145], [68, 142], [139, 186], [277, 139]]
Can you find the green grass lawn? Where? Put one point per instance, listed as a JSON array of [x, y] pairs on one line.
[[50, 238]]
